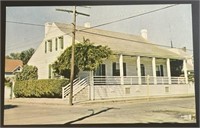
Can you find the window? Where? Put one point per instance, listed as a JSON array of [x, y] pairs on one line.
[[45, 47], [50, 45], [61, 43], [101, 70], [50, 73], [127, 90], [116, 69], [56, 45], [159, 70], [166, 89], [142, 69]]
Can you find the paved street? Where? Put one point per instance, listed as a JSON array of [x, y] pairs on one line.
[[179, 110]]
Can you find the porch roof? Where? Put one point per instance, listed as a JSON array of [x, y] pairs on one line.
[[120, 43]]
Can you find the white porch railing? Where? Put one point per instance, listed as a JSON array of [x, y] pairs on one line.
[[78, 85], [134, 80]]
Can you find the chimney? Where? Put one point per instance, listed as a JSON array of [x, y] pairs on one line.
[[47, 27], [144, 33], [87, 25]]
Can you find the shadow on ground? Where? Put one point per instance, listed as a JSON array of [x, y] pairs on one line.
[[9, 106], [93, 114]]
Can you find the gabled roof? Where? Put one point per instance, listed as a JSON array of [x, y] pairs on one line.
[[120, 43], [12, 65]]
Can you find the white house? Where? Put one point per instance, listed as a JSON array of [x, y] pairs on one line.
[[12, 66], [136, 61]]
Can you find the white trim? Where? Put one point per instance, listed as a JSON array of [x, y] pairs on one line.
[[168, 70], [154, 69], [121, 68], [139, 70], [185, 71]]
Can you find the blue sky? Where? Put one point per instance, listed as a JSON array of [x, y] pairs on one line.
[[174, 23]]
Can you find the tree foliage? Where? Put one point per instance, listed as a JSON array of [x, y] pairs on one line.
[[87, 57], [24, 55], [28, 73]]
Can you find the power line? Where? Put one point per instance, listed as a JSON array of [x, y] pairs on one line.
[[130, 17], [24, 23]]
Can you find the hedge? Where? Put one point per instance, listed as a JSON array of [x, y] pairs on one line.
[[50, 88]]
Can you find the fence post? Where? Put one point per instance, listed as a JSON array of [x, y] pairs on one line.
[[148, 87], [91, 93], [12, 87], [63, 93]]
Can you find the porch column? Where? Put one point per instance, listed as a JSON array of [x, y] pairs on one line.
[[169, 71], [139, 70], [154, 69], [185, 71], [121, 69]]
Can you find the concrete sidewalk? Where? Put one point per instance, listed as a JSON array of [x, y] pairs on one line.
[[59, 101]]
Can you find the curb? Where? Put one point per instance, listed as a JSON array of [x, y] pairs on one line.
[[49, 101]]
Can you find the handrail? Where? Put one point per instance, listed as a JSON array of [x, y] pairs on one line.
[[78, 85]]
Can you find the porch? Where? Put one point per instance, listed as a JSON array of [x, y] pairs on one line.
[[106, 87], [135, 80]]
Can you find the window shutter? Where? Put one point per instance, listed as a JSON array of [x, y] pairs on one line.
[[103, 73], [114, 68], [161, 70], [124, 68]]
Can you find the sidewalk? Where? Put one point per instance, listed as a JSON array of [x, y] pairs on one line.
[[47, 101], [59, 101]]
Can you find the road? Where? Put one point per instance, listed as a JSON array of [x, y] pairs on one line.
[[169, 110]]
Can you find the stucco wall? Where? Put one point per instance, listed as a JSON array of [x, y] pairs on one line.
[[119, 91]]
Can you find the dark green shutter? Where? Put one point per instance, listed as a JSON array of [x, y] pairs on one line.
[[161, 70], [114, 68], [124, 68]]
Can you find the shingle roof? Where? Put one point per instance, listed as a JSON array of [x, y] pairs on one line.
[[120, 43], [11, 65]]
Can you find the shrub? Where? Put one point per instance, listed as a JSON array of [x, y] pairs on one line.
[[28, 73], [50, 88]]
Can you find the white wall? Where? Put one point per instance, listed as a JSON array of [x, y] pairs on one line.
[[41, 60], [7, 92], [119, 91]]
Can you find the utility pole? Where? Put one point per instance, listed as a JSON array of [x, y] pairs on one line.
[[72, 58], [73, 49]]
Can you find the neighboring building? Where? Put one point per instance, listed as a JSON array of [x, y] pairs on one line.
[[135, 59], [12, 66]]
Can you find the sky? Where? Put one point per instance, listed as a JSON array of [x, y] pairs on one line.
[[163, 26]]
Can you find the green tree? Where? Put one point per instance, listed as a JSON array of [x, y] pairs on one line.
[[87, 58], [15, 56], [28, 73], [24, 55]]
